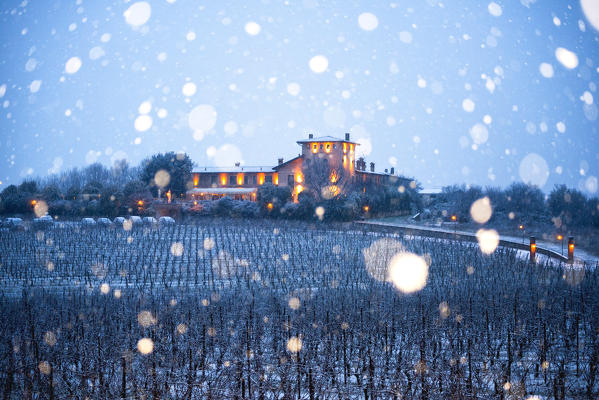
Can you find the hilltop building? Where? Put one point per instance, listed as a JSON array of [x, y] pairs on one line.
[[242, 182]]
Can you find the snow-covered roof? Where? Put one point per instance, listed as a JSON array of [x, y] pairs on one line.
[[326, 139], [431, 191], [234, 169], [223, 190]]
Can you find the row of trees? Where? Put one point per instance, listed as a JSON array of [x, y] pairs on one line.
[[564, 207], [98, 190]]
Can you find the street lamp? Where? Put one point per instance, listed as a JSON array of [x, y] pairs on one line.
[[454, 218], [561, 239], [521, 227]]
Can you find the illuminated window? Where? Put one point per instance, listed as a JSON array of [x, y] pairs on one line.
[[314, 147]]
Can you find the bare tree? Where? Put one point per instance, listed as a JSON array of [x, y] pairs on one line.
[[324, 180]]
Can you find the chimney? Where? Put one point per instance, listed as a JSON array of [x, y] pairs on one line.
[[310, 136], [386, 171], [392, 171], [280, 161], [237, 164], [347, 137], [371, 167]]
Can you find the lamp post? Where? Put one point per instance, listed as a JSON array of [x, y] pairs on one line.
[[533, 249], [571, 250], [454, 218], [521, 227], [561, 239]]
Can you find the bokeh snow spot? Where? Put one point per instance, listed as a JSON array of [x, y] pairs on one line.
[[72, 65], [138, 13], [368, 21], [318, 64], [408, 272], [252, 28], [534, 170], [566, 57]]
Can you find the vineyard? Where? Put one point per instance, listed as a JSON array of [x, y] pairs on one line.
[[227, 309]]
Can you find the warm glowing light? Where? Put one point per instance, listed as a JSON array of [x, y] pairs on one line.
[[145, 346], [299, 189], [481, 210], [298, 177], [559, 237], [140, 203], [327, 147], [33, 202], [269, 206], [196, 180], [314, 148], [195, 203], [223, 179], [275, 178], [169, 196], [240, 178], [366, 208], [260, 178], [454, 218], [521, 227], [333, 177], [571, 246], [408, 272], [344, 148]]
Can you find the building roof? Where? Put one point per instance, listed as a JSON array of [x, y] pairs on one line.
[[286, 162], [235, 169], [217, 190], [358, 171], [326, 139], [431, 191]]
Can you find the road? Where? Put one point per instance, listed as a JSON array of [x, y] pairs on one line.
[[580, 256]]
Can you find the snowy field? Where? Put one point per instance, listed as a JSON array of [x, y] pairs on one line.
[[235, 309]]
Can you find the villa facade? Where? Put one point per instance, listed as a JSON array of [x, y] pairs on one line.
[[242, 182]]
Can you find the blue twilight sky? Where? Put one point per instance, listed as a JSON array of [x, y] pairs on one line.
[[446, 91]]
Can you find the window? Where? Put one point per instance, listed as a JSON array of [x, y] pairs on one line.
[[334, 146], [290, 180], [232, 179], [321, 146], [268, 179], [246, 179], [254, 179], [213, 180]]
